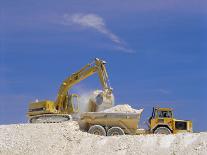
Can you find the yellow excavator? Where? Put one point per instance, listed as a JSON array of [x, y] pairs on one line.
[[67, 104]]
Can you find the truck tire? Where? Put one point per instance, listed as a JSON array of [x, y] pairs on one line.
[[162, 130], [97, 130], [115, 131]]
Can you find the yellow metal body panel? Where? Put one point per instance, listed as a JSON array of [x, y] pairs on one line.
[[127, 121], [170, 122], [37, 108], [189, 126], [164, 109], [161, 121]]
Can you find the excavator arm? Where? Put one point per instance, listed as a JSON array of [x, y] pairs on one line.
[[97, 66]]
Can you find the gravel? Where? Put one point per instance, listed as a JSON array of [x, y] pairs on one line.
[[125, 108], [66, 138]]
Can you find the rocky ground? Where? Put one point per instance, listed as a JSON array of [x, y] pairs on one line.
[[66, 138]]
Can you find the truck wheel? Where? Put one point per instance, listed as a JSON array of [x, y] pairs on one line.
[[162, 130], [97, 130], [115, 131]]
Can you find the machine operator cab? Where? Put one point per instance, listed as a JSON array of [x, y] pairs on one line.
[[162, 121], [162, 113]]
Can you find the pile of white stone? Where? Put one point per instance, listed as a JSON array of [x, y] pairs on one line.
[[66, 139], [125, 108]]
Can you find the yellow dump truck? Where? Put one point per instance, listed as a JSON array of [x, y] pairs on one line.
[[161, 122], [101, 123]]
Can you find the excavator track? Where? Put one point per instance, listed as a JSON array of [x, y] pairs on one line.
[[50, 118]]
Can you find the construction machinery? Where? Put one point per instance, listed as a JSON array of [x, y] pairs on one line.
[[101, 123], [161, 122], [66, 104]]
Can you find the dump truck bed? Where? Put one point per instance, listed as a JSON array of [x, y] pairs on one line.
[[127, 121]]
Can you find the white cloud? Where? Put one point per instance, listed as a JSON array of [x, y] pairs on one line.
[[97, 23], [162, 91], [124, 49]]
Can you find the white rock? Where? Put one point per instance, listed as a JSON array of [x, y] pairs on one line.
[[66, 138]]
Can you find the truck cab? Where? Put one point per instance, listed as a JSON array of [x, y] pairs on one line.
[[162, 121]]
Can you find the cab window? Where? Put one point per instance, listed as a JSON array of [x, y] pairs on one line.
[[164, 114]]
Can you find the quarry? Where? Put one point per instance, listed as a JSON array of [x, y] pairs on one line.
[[66, 139], [96, 125], [89, 77]]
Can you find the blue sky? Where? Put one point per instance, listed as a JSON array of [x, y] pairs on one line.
[[156, 52]]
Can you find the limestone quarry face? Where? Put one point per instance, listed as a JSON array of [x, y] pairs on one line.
[[66, 139]]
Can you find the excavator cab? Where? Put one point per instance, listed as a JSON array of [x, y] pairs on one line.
[[73, 103], [70, 104]]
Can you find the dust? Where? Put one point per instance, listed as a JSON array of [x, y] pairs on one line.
[[83, 103], [97, 98], [92, 101]]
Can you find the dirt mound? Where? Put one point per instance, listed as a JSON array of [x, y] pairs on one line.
[[66, 138], [125, 108]]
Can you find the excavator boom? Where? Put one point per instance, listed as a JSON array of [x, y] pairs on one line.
[[63, 105], [85, 72]]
